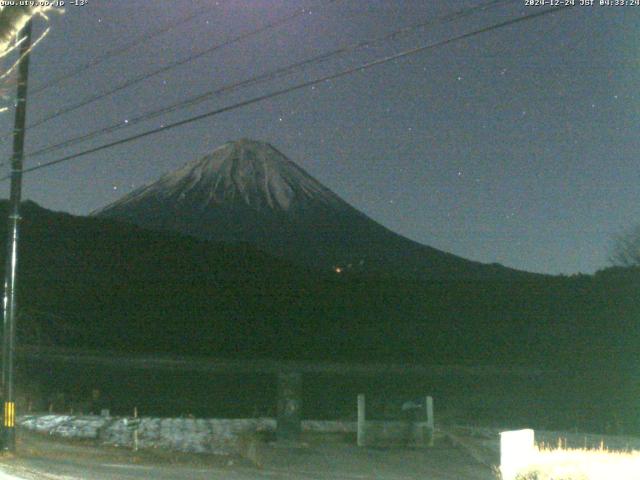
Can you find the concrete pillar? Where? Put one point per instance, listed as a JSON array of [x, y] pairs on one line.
[[430, 420], [361, 421], [289, 406]]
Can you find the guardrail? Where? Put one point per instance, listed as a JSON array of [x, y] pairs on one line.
[[266, 366]]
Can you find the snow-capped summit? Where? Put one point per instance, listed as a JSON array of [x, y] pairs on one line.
[[247, 191], [243, 173]]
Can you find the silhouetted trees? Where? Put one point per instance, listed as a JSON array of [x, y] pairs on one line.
[[626, 249]]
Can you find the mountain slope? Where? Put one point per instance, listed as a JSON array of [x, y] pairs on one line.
[[100, 283], [93, 282], [247, 191]]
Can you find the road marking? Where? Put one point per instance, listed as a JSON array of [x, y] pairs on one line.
[[26, 473], [122, 465], [6, 476]]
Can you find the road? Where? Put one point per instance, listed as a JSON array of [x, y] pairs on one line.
[[45, 459]]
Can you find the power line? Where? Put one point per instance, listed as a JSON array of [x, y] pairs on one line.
[[140, 78], [271, 75], [120, 50], [284, 91]]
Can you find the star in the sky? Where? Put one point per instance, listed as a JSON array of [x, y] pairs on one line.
[[501, 77]]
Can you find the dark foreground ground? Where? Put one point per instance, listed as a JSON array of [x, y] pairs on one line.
[[41, 457]]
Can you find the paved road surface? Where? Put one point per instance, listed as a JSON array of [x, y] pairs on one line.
[[45, 459]]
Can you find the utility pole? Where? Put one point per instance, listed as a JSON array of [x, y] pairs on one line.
[[11, 267]]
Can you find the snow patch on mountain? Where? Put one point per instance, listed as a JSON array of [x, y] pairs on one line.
[[247, 191], [246, 171]]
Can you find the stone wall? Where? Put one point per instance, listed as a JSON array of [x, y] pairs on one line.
[[198, 435], [219, 436], [214, 435]]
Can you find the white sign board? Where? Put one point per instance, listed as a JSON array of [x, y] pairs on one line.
[[517, 450]]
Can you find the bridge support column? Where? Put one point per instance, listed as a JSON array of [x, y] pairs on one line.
[[289, 406]]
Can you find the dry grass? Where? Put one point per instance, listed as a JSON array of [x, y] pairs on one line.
[[582, 464]]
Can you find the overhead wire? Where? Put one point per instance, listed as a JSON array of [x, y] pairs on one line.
[[267, 76], [300, 86], [146, 76], [75, 71]]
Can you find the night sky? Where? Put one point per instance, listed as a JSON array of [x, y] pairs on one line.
[[518, 146]]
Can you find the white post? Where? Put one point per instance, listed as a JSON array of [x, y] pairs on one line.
[[135, 432], [361, 420], [430, 420], [517, 450]]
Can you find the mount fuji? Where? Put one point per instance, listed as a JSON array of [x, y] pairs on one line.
[[248, 191]]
